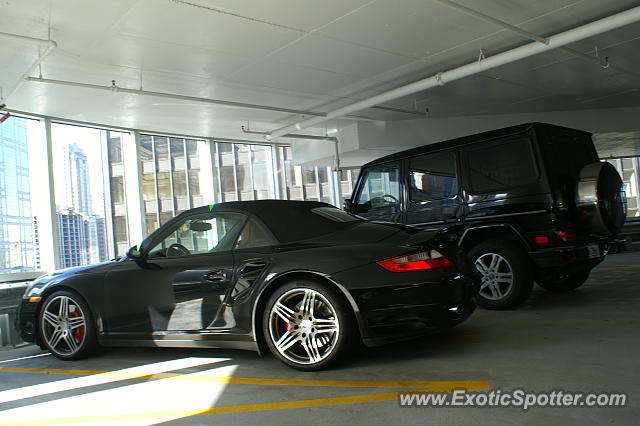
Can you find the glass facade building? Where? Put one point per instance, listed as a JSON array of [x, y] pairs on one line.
[[171, 177], [17, 248]]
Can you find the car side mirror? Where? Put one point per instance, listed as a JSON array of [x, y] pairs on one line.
[[135, 253], [348, 205]]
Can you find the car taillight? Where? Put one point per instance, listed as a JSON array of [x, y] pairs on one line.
[[431, 259]]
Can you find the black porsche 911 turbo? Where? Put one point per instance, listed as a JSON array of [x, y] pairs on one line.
[[303, 279]]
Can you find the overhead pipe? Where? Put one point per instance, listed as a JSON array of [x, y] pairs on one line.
[[535, 37], [115, 88], [33, 40], [336, 167], [576, 34]]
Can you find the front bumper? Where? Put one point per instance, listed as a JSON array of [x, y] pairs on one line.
[[400, 312], [26, 320]]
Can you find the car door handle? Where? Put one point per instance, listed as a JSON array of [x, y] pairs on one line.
[[217, 276], [255, 263]]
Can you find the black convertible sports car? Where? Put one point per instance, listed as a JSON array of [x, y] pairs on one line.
[[304, 279]]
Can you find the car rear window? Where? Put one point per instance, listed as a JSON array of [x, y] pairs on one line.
[[500, 165]]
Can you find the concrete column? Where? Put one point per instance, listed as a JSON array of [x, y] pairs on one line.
[[207, 178], [133, 187], [43, 196]]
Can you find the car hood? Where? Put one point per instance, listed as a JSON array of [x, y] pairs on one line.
[[63, 273]]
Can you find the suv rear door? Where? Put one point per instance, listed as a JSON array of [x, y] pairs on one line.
[[432, 190]]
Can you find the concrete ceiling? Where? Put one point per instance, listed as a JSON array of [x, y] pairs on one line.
[[302, 54]]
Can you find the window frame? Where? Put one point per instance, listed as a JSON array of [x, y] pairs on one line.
[[457, 177], [365, 174]]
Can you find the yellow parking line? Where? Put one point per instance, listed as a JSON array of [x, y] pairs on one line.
[[395, 384], [320, 402], [427, 386]]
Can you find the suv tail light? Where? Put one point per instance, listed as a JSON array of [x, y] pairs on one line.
[[431, 259]]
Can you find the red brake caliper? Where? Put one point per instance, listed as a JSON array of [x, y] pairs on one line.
[[79, 332]]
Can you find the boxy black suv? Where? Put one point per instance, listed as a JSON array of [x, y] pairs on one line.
[[535, 202]]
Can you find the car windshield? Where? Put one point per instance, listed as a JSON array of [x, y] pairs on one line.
[[336, 215]]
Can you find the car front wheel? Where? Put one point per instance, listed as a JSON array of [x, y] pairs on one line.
[[506, 279], [307, 325], [67, 328]]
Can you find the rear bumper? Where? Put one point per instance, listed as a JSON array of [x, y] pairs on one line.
[[394, 313], [556, 261]]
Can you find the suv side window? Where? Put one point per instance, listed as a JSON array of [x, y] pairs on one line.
[[433, 177], [501, 165], [380, 187]]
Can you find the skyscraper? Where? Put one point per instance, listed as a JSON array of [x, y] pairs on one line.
[[82, 234], [95, 235], [76, 179], [73, 239], [16, 232]]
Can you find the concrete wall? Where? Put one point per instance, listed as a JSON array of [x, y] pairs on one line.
[[362, 142]]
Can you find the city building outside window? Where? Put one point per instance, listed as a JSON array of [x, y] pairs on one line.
[[79, 182], [171, 177], [18, 250]]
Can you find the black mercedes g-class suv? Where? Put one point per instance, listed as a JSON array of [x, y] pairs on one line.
[[535, 202]]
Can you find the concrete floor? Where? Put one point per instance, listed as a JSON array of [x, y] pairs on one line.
[[586, 340]]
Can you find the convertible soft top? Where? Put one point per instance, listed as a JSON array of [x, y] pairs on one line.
[[289, 221]]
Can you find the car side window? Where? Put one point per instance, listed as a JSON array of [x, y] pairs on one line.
[[254, 234], [501, 165], [433, 177], [380, 187], [201, 233]]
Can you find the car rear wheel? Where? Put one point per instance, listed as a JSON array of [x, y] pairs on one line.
[[566, 282], [307, 325], [67, 328], [505, 272]]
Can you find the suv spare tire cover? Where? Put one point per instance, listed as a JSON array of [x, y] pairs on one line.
[[601, 203]]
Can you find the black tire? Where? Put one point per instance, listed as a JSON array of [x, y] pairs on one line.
[[334, 346], [494, 292], [565, 283], [84, 336]]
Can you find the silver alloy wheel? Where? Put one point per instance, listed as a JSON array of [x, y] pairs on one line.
[[304, 326], [63, 325], [497, 276]]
